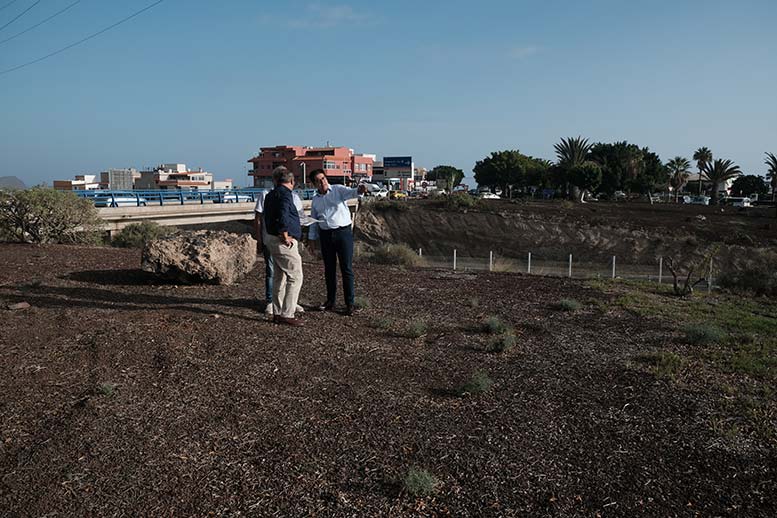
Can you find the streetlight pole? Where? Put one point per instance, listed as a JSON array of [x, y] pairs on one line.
[[304, 183]]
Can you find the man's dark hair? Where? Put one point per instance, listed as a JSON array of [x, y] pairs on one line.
[[316, 172]]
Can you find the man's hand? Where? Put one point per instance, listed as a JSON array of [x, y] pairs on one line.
[[286, 240]]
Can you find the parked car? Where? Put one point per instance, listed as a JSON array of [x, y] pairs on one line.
[[382, 193], [397, 195], [700, 200], [489, 196], [119, 201], [619, 196], [739, 202], [233, 197]]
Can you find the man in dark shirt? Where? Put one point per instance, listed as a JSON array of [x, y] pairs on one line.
[[284, 231]]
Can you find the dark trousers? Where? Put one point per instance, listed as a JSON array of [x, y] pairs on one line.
[[268, 273], [337, 245]]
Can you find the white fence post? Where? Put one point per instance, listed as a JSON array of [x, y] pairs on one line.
[[454, 258], [660, 269], [528, 267], [613, 267], [709, 278], [420, 253], [491, 261], [570, 265]]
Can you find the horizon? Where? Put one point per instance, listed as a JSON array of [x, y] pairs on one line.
[[209, 86]]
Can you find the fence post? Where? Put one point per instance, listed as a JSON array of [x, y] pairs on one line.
[[528, 268], [570, 266], [660, 269], [454, 258], [709, 278], [491, 261], [613, 267], [420, 253]]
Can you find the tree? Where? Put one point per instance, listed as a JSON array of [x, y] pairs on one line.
[[771, 174], [507, 169], [586, 177], [679, 169], [618, 162], [572, 152], [749, 184], [703, 157], [719, 173], [449, 175]]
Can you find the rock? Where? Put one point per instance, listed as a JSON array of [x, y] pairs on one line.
[[701, 217], [203, 256], [18, 306]]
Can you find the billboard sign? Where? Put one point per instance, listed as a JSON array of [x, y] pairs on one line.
[[398, 162]]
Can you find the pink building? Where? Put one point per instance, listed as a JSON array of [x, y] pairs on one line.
[[340, 163]]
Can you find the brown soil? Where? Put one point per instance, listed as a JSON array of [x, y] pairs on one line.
[[637, 233], [122, 396]]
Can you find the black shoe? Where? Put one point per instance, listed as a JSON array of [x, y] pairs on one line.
[[327, 306], [349, 310]]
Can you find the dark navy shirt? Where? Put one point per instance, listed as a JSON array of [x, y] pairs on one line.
[[280, 213]]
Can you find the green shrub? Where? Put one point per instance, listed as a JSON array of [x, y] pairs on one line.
[[757, 279], [502, 343], [384, 323], [43, 215], [494, 326], [477, 384], [389, 205], [459, 201], [568, 305], [137, 234], [396, 254], [419, 482], [704, 334], [106, 388], [415, 329], [362, 303]]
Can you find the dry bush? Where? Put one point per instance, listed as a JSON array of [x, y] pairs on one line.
[[396, 254]]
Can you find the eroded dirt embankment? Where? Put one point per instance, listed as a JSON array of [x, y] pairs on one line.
[[636, 235]]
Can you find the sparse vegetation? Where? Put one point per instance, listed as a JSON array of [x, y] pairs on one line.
[[396, 254], [387, 205], [505, 265], [136, 235], [703, 334], [502, 343], [106, 388], [384, 323], [663, 364], [362, 303], [494, 326], [477, 384], [474, 302], [758, 279], [419, 482], [460, 201], [42, 215], [415, 329], [568, 305]]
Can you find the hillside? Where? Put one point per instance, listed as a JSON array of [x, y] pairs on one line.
[[11, 182], [126, 396]]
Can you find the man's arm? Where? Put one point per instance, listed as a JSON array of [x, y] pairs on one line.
[[258, 231]]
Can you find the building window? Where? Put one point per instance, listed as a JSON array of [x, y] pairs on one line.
[[329, 165]]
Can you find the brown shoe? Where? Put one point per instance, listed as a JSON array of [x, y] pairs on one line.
[[289, 321]]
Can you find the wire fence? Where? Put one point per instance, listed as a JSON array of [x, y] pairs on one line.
[[571, 267]]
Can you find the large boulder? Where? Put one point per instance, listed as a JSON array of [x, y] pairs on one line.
[[203, 256]]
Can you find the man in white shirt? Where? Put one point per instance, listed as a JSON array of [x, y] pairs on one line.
[[260, 234], [336, 237]]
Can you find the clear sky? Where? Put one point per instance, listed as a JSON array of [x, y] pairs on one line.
[[209, 82]]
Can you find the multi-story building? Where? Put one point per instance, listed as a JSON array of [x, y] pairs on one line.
[[82, 182], [341, 164], [119, 179], [174, 176]]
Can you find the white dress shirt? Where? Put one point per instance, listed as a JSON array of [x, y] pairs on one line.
[[330, 209]]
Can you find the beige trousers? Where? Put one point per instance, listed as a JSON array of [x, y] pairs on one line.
[[287, 278]]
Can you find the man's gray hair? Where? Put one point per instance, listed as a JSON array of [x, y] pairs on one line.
[[282, 175]]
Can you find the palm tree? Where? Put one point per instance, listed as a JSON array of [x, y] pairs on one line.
[[703, 157], [572, 152], [771, 174], [679, 168], [719, 173]]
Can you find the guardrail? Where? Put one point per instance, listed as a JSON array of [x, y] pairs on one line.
[[162, 197]]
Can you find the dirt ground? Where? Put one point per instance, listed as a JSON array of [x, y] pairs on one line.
[[124, 396]]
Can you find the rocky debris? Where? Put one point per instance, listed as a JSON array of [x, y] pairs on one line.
[[18, 306], [203, 256], [701, 217]]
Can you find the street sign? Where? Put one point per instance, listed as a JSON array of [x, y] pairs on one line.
[[397, 162]]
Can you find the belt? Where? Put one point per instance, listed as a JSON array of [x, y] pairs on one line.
[[344, 227]]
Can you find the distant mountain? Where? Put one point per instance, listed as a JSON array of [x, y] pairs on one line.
[[11, 182]]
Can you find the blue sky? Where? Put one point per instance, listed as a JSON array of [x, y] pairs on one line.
[[207, 83]]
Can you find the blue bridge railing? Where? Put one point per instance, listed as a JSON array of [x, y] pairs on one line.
[[161, 197]]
